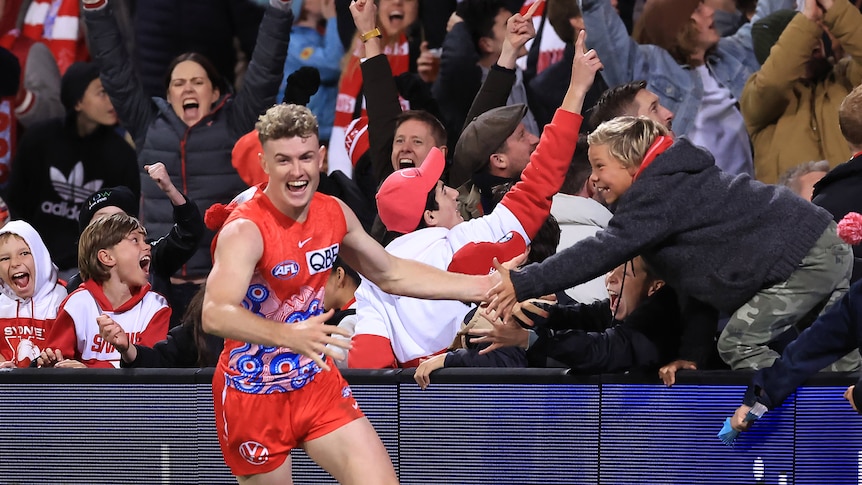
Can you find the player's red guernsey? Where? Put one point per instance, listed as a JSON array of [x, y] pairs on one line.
[[287, 286]]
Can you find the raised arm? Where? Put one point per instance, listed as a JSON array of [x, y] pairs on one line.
[[173, 250], [768, 91], [266, 68], [624, 59], [238, 249], [845, 23], [495, 91], [530, 198], [381, 92], [134, 107]]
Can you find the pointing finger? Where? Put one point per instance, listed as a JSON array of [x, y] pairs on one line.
[[533, 8]]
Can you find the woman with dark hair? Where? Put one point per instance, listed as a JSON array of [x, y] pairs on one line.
[[193, 129]]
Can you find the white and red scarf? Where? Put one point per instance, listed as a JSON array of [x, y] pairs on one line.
[[56, 23]]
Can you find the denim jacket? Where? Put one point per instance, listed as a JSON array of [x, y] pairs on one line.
[[679, 87]]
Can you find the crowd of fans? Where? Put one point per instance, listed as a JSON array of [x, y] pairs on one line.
[[125, 145]]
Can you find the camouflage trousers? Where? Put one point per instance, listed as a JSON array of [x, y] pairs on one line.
[[823, 275]]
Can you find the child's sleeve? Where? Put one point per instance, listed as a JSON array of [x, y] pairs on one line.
[[62, 335]]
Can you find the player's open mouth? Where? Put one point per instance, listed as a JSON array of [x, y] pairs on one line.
[[297, 185], [21, 279], [406, 163]]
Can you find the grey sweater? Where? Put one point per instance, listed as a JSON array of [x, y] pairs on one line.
[[714, 237]]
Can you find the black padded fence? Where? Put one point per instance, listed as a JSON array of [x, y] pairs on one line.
[[471, 426]]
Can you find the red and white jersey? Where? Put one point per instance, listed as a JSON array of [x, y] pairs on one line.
[[25, 322], [287, 286], [145, 318]]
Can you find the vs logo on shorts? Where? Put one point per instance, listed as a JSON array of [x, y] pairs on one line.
[[321, 259], [254, 452]]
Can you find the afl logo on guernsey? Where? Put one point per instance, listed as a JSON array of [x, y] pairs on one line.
[[285, 270], [321, 260]]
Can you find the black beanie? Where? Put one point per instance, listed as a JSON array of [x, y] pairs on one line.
[[119, 196], [766, 31], [75, 82]]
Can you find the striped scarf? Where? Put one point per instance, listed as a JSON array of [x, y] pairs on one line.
[[55, 22], [398, 55]]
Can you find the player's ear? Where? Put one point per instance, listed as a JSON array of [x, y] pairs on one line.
[[321, 162]]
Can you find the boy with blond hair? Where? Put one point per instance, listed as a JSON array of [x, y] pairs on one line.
[[29, 294], [114, 260], [723, 242]]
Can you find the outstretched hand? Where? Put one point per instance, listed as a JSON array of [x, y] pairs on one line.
[[501, 298], [313, 338], [501, 334]]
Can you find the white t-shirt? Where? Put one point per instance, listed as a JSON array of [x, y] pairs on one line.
[[719, 127]]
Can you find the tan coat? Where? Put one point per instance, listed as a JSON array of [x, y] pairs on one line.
[[792, 121]]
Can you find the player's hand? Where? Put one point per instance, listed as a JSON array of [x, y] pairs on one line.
[[668, 372], [501, 298], [313, 338], [422, 374]]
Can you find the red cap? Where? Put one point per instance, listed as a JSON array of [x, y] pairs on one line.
[[401, 199], [356, 139], [478, 258]]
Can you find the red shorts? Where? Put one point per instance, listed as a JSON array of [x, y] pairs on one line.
[[257, 431]]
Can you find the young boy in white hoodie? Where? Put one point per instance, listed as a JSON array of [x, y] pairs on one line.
[[29, 294], [114, 260]]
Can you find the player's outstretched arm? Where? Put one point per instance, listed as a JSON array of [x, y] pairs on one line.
[[404, 276]]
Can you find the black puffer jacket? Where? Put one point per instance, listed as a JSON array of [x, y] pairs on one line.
[[198, 158]]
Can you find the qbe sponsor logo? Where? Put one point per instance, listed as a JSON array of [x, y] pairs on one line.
[[321, 259]]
